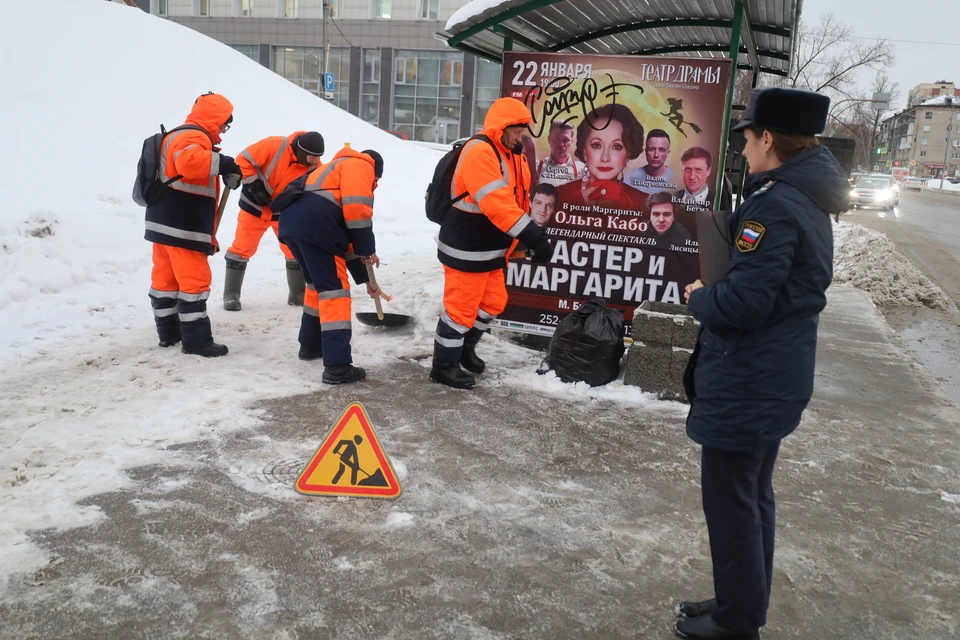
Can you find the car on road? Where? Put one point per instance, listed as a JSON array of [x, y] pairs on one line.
[[874, 191], [912, 184]]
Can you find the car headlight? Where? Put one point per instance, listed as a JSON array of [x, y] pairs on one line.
[[885, 194], [853, 194]]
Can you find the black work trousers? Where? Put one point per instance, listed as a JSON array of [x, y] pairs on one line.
[[738, 503]]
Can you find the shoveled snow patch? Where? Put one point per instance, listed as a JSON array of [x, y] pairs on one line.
[[950, 497], [869, 261], [399, 519]]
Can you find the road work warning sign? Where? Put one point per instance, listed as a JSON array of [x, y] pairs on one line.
[[350, 462]]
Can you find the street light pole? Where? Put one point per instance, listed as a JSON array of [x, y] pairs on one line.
[[326, 45], [945, 152]]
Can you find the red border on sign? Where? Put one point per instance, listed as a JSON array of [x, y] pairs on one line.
[[391, 491]]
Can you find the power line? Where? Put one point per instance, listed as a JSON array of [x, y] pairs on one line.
[[945, 44], [341, 32]]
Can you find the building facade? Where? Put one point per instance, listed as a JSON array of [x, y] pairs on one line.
[[924, 138], [923, 92], [388, 67]]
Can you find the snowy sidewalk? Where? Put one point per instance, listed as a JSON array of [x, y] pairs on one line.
[[525, 513]]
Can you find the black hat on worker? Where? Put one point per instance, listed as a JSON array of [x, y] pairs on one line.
[[786, 111], [377, 162], [310, 143]]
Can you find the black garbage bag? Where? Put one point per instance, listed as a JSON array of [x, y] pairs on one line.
[[588, 345]]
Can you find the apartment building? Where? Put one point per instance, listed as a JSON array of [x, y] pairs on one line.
[[389, 69], [924, 138], [925, 91]]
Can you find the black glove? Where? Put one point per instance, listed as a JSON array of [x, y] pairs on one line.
[[542, 250], [230, 171], [258, 193]]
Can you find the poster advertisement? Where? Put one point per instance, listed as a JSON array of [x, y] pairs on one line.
[[623, 150]]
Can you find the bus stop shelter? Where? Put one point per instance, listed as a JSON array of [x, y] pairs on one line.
[[760, 35]]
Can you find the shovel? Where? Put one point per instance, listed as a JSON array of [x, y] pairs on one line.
[[380, 319]]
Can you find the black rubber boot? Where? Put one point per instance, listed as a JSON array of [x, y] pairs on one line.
[[470, 360], [212, 350], [452, 376], [343, 373], [295, 284], [705, 628], [310, 353], [170, 341], [232, 284]]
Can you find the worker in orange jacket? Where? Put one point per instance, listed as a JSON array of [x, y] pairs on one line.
[[330, 230], [476, 237], [181, 225], [268, 166]]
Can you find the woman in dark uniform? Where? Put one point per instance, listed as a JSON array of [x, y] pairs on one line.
[[751, 375]]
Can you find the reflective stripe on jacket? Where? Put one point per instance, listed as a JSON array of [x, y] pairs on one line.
[[273, 162]]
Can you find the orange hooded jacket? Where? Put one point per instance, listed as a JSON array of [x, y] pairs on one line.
[[481, 230], [348, 182], [272, 160]]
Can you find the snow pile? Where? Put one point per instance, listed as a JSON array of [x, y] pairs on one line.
[[869, 261], [935, 184]]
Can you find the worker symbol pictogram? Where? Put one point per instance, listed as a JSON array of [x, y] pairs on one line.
[[350, 462]]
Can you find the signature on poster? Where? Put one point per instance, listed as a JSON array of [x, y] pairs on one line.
[[561, 99]]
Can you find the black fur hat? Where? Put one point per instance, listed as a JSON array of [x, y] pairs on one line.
[[786, 111], [377, 162]]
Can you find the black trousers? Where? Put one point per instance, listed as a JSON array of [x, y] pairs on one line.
[[738, 503]]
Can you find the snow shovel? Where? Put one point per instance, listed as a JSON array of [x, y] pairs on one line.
[[220, 208], [380, 319]]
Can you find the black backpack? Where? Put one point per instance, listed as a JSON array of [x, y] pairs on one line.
[[148, 185], [438, 201]]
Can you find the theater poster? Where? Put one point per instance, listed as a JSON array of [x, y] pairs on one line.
[[622, 150]]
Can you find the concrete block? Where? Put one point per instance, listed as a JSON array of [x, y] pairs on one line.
[[664, 337], [648, 367]]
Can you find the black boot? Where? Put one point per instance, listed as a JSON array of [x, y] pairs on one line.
[[310, 353], [695, 609], [705, 628], [295, 284], [212, 350], [452, 376], [470, 360], [233, 282], [343, 373], [169, 341]]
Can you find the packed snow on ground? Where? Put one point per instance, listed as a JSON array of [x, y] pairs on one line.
[[869, 261], [86, 391]]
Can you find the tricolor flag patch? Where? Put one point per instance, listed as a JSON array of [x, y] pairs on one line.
[[750, 235]]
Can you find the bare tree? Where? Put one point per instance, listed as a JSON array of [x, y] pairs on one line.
[[829, 58]]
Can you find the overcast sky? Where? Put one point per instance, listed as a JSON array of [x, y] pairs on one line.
[[923, 21]]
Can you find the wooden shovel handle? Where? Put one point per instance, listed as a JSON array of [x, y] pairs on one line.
[[376, 287]]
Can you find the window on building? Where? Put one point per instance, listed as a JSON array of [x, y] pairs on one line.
[[252, 51], [370, 89], [427, 91], [928, 115], [380, 9], [163, 7], [923, 154], [246, 8], [334, 8], [926, 128], [201, 7], [486, 90], [429, 9], [925, 141], [956, 143], [956, 156], [290, 8], [304, 67]]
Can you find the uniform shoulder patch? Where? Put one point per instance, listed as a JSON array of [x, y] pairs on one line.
[[749, 236], [766, 187]]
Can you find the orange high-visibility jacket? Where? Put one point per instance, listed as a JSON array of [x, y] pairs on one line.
[[347, 181], [479, 232], [184, 214], [274, 162]]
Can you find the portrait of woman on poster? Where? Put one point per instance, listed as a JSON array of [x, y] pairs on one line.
[[609, 138]]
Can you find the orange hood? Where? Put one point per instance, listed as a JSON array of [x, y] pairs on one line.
[[211, 112], [504, 113], [350, 152]]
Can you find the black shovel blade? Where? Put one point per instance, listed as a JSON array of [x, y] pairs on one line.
[[390, 320]]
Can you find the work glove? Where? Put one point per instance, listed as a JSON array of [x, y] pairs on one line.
[[542, 250], [258, 193], [230, 171]]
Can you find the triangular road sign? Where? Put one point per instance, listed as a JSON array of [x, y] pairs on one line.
[[350, 462]]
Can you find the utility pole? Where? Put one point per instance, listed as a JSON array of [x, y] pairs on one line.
[[326, 45], [945, 151]]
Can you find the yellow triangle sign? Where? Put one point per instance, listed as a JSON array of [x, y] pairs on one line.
[[350, 462]]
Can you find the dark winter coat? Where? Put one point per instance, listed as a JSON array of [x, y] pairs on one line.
[[752, 376]]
